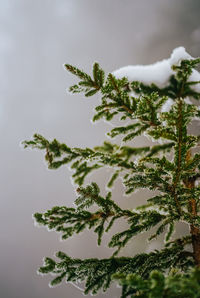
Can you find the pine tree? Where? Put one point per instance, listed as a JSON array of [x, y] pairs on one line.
[[170, 166]]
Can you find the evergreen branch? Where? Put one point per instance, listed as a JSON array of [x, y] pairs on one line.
[[180, 151], [69, 221], [160, 148], [180, 241], [182, 72], [88, 85], [159, 113], [98, 274], [150, 178], [84, 160], [116, 97], [166, 133], [77, 72], [160, 229], [139, 222], [124, 129], [176, 284], [169, 91]]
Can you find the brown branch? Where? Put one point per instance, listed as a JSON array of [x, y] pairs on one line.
[[194, 231], [179, 128], [99, 215]]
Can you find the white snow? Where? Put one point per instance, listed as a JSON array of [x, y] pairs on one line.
[[159, 72], [187, 100], [195, 76], [167, 105], [178, 55]]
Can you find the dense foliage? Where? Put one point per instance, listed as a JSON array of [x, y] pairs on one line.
[[170, 167]]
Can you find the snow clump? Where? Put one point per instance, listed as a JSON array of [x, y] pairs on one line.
[[159, 72]]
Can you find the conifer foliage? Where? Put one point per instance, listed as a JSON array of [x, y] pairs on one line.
[[171, 167]]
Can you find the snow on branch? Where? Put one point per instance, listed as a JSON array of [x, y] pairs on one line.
[[159, 72]]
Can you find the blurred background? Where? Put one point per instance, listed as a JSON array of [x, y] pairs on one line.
[[36, 39]]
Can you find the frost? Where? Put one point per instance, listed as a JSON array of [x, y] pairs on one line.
[[76, 286], [159, 72]]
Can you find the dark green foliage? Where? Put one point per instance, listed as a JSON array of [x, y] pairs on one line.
[[99, 273], [87, 85], [175, 82], [175, 285], [84, 160], [70, 220], [170, 167]]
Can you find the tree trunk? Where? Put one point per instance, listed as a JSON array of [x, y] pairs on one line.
[[194, 231]]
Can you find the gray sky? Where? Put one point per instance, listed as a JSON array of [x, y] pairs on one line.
[[36, 39]]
